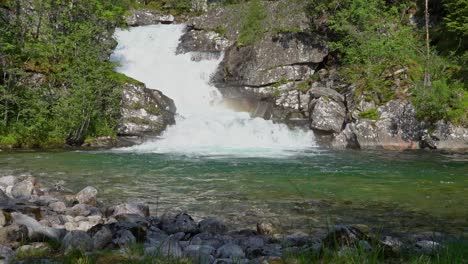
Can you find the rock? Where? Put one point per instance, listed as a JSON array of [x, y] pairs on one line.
[[342, 235], [143, 17], [173, 222], [58, 207], [23, 189], [124, 238], [2, 219], [200, 254], [296, 57], [203, 42], [79, 210], [231, 251], [3, 196], [318, 91], [8, 181], [345, 139], [35, 248], [213, 225], [327, 115], [144, 111], [154, 238], [102, 238], [397, 128], [297, 240], [128, 208], [391, 246], [36, 231], [87, 196], [199, 5], [265, 228], [450, 137], [77, 240], [6, 254], [427, 247], [170, 247], [13, 235]]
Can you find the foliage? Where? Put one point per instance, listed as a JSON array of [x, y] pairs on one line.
[[383, 53], [444, 100], [77, 91], [370, 114], [252, 24]]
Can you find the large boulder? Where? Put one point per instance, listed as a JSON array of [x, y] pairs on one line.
[[137, 208], [396, 128], [87, 196], [448, 136], [203, 41], [296, 56], [174, 221], [327, 115], [23, 189], [144, 112], [36, 231], [143, 17], [77, 240]]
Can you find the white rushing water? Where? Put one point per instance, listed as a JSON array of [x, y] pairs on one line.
[[203, 125]]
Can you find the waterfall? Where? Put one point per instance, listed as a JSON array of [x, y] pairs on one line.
[[203, 125]]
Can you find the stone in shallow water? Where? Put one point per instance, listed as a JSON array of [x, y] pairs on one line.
[[213, 225], [129, 208], [427, 247], [87, 196], [23, 189]]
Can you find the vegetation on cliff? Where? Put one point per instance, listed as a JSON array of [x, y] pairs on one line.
[[57, 84], [379, 40]]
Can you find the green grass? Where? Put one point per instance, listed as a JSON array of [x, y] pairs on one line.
[[370, 114]]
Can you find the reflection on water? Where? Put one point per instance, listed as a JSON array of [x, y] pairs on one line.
[[394, 189]]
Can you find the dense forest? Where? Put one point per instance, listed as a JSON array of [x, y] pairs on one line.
[[58, 86]]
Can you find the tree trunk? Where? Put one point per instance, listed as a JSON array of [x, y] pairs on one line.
[[427, 77]]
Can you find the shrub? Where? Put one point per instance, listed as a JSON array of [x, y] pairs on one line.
[[252, 24]]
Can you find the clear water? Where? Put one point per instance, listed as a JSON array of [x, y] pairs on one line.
[[398, 190]]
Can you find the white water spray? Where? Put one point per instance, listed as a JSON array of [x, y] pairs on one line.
[[204, 126]]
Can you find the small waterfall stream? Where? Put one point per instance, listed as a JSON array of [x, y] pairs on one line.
[[203, 126]]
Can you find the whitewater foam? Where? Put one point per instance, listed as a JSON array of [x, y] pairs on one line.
[[203, 125]]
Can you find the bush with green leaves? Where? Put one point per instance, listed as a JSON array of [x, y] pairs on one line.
[[78, 94], [252, 24]]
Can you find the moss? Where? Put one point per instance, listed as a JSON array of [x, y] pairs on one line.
[[370, 114], [303, 86], [124, 79], [221, 30]]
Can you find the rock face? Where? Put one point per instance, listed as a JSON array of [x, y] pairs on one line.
[[327, 115], [296, 56], [397, 128], [144, 17], [144, 112], [448, 136]]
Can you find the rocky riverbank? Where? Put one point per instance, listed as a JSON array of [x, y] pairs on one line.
[[55, 221]]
